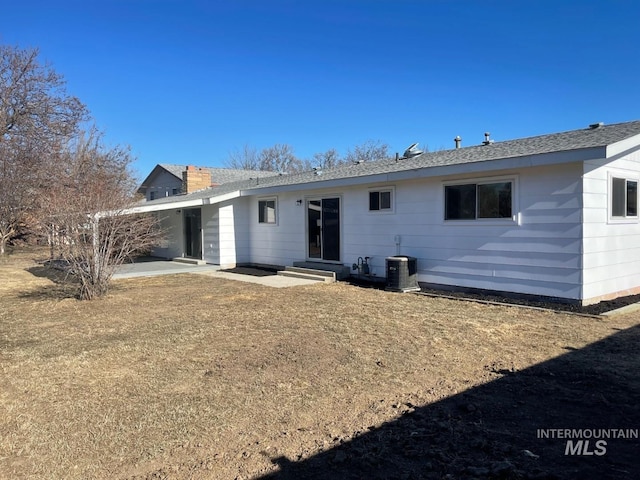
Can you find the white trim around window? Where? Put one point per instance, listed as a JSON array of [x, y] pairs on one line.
[[622, 204], [480, 201], [381, 200], [268, 211]]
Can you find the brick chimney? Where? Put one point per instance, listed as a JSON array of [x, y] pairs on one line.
[[195, 178]]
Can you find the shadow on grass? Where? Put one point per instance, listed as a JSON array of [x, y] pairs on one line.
[[494, 431], [63, 285]]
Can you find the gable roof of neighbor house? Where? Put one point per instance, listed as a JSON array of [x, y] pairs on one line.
[[218, 175], [592, 140]]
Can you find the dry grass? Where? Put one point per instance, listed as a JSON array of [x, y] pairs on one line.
[[190, 376]]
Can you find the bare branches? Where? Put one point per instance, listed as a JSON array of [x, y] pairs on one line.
[[37, 117], [281, 157], [368, 151], [85, 216]]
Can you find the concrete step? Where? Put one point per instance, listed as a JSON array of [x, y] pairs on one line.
[[190, 261], [341, 271], [312, 271], [307, 275]]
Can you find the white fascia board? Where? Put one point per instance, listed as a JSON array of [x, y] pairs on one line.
[[221, 198], [196, 202], [623, 147], [512, 163], [159, 207]]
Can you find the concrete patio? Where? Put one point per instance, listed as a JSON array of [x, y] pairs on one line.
[[150, 267]]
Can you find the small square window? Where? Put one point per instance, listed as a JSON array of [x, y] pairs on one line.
[[380, 200], [266, 211], [175, 191], [152, 195], [624, 198]]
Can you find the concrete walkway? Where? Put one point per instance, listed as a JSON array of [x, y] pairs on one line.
[[154, 267]]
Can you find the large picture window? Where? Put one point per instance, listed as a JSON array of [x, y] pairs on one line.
[[267, 211], [624, 198], [471, 201]]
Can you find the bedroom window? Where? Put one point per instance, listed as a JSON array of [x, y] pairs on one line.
[[624, 198], [380, 200], [472, 201], [267, 211]]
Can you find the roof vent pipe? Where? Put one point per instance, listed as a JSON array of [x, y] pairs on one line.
[[458, 141], [596, 125], [487, 140], [397, 156]]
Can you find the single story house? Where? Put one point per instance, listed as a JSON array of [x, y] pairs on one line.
[[553, 215]]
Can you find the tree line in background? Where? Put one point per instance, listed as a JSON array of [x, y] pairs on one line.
[[59, 181], [281, 157]]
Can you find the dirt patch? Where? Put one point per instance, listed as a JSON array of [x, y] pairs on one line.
[[190, 376], [253, 271]]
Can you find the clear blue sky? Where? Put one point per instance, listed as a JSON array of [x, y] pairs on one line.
[[188, 81]]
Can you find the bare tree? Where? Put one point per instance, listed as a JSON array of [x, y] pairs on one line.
[[246, 158], [330, 158], [36, 118], [279, 158], [87, 214], [369, 151]]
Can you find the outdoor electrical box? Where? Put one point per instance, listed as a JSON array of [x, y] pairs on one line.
[[402, 274]]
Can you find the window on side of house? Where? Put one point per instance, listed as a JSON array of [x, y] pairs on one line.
[[472, 201], [174, 191], [624, 198], [152, 195], [267, 211], [380, 200]]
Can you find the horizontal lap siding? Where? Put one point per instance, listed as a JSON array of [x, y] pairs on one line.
[[233, 232], [284, 242], [211, 234], [611, 249], [171, 245], [541, 255]]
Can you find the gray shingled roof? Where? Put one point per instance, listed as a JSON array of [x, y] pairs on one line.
[[542, 144], [218, 175]]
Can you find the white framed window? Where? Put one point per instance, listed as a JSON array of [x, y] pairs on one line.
[[381, 199], [486, 199], [267, 211], [624, 197]]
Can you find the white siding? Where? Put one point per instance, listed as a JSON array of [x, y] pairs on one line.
[[225, 233], [281, 243], [611, 247], [172, 244], [540, 254], [211, 234]]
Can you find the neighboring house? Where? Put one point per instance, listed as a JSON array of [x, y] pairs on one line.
[[167, 180], [553, 215]]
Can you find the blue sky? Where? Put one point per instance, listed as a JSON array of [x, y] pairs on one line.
[[190, 81]]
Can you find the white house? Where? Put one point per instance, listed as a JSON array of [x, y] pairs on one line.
[[553, 215]]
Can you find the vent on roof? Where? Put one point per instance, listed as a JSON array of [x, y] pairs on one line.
[[412, 151], [593, 126], [487, 140], [458, 141]]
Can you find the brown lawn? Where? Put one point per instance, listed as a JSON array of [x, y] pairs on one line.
[[190, 376]]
